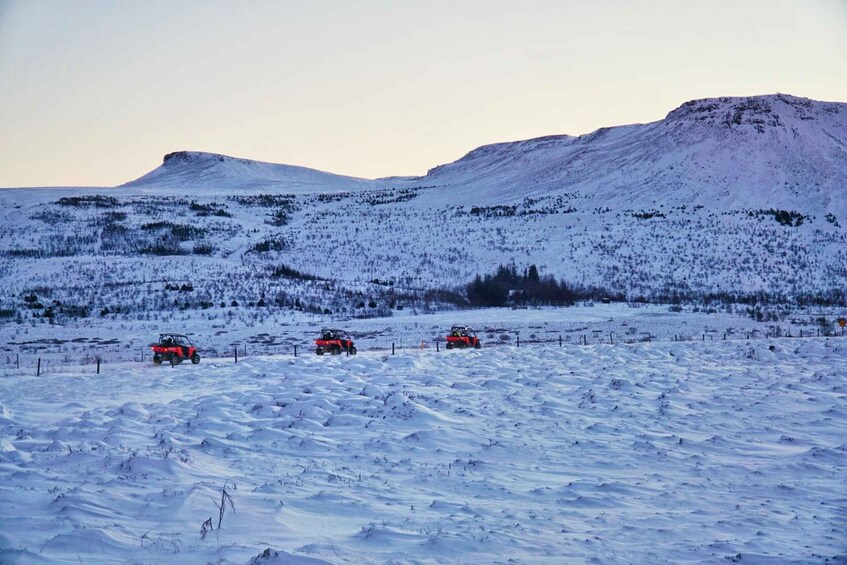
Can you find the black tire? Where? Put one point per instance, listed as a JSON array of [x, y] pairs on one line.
[[449, 345], [478, 345], [195, 358], [335, 350], [157, 359], [176, 359], [319, 351], [353, 350]]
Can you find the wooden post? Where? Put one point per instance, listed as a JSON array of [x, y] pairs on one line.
[[436, 346], [560, 340], [519, 341], [236, 354], [392, 348], [17, 360], [38, 369], [612, 338], [98, 364], [295, 351]]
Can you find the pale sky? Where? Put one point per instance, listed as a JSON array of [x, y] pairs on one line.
[[95, 93]]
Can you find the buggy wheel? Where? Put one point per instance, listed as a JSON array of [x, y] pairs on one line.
[[157, 359], [353, 350], [335, 350], [195, 358], [449, 345], [478, 345], [175, 359], [319, 351]]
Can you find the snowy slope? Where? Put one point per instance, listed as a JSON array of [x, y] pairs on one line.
[[774, 151], [648, 453]]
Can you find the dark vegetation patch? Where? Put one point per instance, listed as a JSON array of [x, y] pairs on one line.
[[179, 232], [500, 211], [783, 217], [275, 244], [284, 271], [209, 209], [286, 201], [380, 197], [647, 215], [509, 286], [95, 201]]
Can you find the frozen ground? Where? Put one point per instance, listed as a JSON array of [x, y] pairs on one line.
[[628, 453]]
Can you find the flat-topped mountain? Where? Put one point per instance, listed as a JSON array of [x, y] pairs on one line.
[[199, 170]]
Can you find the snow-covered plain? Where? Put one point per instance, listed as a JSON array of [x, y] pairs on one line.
[[627, 453]]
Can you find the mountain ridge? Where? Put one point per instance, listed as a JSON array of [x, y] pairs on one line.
[[776, 149]]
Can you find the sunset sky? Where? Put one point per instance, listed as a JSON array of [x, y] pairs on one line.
[[94, 93]]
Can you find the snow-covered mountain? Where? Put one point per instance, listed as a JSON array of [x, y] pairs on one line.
[[767, 151], [775, 151], [740, 198]]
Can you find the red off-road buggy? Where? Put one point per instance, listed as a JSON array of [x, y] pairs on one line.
[[334, 342], [174, 348], [462, 336]]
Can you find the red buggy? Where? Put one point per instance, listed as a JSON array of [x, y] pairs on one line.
[[462, 336], [174, 348], [334, 341]]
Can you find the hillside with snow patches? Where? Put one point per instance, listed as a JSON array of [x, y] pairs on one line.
[[729, 197]]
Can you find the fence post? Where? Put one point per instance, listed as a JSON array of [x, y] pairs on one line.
[[436, 346], [519, 341], [611, 338], [236, 354], [392, 348], [560, 340], [17, 360], [38, 369], [98, 364], [295, 350]]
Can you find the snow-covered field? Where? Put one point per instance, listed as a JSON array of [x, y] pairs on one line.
[[627, 453], [219, 332]]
